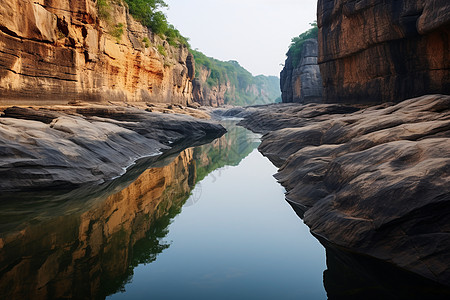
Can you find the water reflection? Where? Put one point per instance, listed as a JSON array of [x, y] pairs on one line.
[[86, 243], [351, 276]]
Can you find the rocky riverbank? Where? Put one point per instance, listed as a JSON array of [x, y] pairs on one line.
[[371, 180], [67, 146]]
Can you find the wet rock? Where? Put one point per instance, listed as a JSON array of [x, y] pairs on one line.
[[375, 181]]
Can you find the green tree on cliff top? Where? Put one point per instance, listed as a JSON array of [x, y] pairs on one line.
[[297, 42], [149, 13]]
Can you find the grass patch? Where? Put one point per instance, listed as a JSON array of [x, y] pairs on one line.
[[117, 32], [146, 42], [104, 9], [162, 50]]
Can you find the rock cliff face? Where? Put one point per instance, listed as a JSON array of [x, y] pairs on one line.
[[261, 90], [205, 94], [302, 83], [226, 82], [377, 51], [55, 51]]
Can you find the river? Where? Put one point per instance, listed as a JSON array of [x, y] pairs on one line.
[[208, 223]]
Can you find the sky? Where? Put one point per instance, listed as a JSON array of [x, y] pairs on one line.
[[256, 33]]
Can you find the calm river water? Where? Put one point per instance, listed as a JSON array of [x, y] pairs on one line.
[[207, 223], [236, 238]]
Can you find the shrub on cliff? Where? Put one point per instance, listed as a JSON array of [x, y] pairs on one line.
[[149, 13], [239, 80], [297, 42]]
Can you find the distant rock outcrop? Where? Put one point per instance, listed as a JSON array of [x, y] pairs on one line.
[[55, 51], [378, 51], [375, 181], [302, 83], [226, 82]]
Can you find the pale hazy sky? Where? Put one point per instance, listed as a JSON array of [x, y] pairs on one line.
[[256, 33]]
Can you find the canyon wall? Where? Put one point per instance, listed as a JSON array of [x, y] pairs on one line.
[[59, 51], [262, 90], [218, 83], [302, 83], [376, 51]]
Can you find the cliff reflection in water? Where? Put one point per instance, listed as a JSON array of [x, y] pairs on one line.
[[90, 248]]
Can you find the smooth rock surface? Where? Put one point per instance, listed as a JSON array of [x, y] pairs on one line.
[[375, 181], [51, 148]]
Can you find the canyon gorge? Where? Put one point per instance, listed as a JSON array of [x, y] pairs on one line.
[[99, 116]]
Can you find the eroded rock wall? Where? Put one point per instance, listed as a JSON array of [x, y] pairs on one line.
[[205, 94], [239, 91], [55, 51], [302, 83], [376, 51]]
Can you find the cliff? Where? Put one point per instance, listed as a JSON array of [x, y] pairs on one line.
[[218, 83], [55, 51], [377, 51], [302, 82]]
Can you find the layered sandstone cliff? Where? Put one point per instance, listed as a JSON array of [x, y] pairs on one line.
[[376, 51], [302, 83], [55, 51]]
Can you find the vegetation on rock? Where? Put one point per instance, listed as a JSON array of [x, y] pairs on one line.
[[239, 80], [297, 42], [149, 13]]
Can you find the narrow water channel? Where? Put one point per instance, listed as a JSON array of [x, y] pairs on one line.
[[236, 238], [208, 223]]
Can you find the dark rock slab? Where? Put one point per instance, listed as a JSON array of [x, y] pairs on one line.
[[375, 181]]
